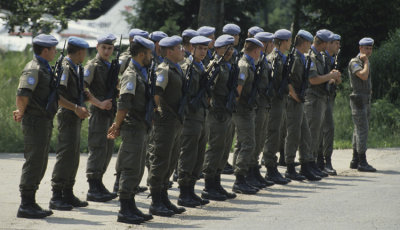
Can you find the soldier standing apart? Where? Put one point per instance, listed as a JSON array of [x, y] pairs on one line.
[[37, 123], [244, 116], [70, 118], [208, 31], [100, 148], [131, 125], [298, 132], [326, 147], [194, 138], [317, 98], [167, 127], [360, 103], [218, 121]]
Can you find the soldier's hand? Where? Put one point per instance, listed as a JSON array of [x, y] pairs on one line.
[[364, 58], [106, 104], [82, 112], [17, 115], [113, 131], [335, 75], [332, 81]]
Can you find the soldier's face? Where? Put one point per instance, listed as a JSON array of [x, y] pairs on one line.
[[177, 53], [337, 46], [49, 53], [211, 44], [200, 52], [105, 50], [367, 50], [269, 47], [147, 58], [221, 51], [236, 37]]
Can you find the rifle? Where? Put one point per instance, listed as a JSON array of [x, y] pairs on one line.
[[304, 83], [232, 86], [81, 86], [331, 88], [207, 82], [52, 100], [270, 90], [283, 88], [150, 92], [187, 81], [257, 79], [112, 77]]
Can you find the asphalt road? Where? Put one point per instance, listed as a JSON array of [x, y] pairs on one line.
[[351, 200]]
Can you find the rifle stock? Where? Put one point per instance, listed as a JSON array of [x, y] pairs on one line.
[[150, 92]]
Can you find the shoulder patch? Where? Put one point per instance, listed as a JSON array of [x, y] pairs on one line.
[[312, 64], [129, 86], [63, 77], [355, 65], [87, 73], [120, 62], [242, 76], [160, 78], [31, 80]]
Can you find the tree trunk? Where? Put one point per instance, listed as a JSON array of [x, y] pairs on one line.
[[211, 13]]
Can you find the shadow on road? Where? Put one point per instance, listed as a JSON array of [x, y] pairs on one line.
[[59, 220]]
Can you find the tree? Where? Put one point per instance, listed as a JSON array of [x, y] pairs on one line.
[[44, 15]]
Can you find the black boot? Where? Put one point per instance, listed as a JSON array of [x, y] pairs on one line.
[[257, 174], [363, 165], [70, 198], [210, 191], [105, 191], [274, 175], [240, 186], [281, 161], [175, 175], [253, 181], [306, 171], [316, 170], [157, 207], [168, 204], [185, 198], [328, 167], [57, 203], [320, 161], [354, 161], [95, 193], [30, 209], [196, 197], [140, 189], [116, 183], [220, 189], [292, 174], [126, 215], [228, 169], [137, 212]]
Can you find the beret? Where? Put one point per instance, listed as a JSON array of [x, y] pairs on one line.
[[336, 37], [366, 42], [79, 42], [157, 36], [190, 33], [206, 31], [45, 40], [231, 29], [264, 36], [325, 35], [306, 35], [255, 41], [283, 34], [224, 40], [106, 39], [170, 41], [254, 30], [200, 40], [144, 42], [138, 32]]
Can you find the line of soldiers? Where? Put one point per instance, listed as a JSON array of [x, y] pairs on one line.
[[173, 99]]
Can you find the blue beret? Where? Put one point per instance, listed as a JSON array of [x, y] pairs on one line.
[[206, 31], [306, 35], [264, 36], [157, 36], [170, 41], [283, 34], [190, 33], [366, 42], [106, 39], [231, 29], [255, 41], [79, 42], [200, 40], [138, 32], [325, 35], [144, 42], [224, 40], [254, 30], [45, 40], [336, 37]]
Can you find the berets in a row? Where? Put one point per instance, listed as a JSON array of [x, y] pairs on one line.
[[45, 40]]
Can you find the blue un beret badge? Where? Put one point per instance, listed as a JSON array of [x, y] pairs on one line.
[[160, 78], [63, 77], [31, 80], [129, 86], [87, 73], [242, 76]]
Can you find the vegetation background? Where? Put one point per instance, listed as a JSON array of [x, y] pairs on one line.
[[351, 19]]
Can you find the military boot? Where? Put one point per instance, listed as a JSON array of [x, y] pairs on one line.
[[116, 183], [328, 167], [95, 194], [57, 202], [196, 197], [137, 212], [228, 170], [175, 175], [70, 198], [30, 209], [281, 161], [105, 191], [185, 198], [240, 186], [354, 161], [168, 204], [257, 174], [126, 215], [252, 180], [274, 175], [157, 207], [316, 170], [220, 189], [306, 171], [292, 174], [363, 165], [210, 191], [320, 161]]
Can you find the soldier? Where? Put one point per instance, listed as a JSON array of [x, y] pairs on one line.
[[316, 98], [167, 127], [186, 36], [130, 123], [37, 123], [156, 36], [326, 147], [262, 110], [218, 121], [208, 31], [100, 148], [244, 117], [298, 132], [194, 138], [282, 42], [70, 118], [126, 56], [360, 103]]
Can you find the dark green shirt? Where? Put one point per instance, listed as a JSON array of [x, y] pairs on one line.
[[317, 68], [220, 91], [246, 78], [358, 85]]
